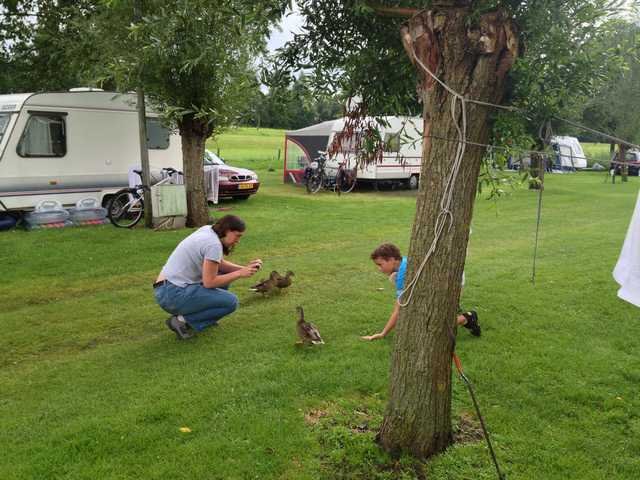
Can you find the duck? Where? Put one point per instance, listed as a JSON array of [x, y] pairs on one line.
[[284, 282], [307, 332], [265, 286]]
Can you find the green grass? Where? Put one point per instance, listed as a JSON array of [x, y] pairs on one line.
[[597, 152], [92, 384], [255, 148]]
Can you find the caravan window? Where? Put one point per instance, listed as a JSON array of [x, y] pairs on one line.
[[44, 136], [4, 123], [157, 134]]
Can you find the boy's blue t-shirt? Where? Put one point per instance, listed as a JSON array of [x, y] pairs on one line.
[[400, 277]]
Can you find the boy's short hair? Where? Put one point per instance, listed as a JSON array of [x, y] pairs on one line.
[[386, 251]]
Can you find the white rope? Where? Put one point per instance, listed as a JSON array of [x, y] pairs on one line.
[[445, 216]]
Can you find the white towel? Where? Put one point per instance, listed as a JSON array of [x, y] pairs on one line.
[[211, 182], [627, 271]]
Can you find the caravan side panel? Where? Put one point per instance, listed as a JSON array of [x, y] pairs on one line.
[[101, 145]]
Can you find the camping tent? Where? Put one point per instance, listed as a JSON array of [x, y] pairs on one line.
[[302, 146]]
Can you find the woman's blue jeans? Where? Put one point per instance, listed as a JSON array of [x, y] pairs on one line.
[[201, 307]]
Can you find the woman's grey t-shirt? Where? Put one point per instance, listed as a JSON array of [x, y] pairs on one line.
[[184, 266]]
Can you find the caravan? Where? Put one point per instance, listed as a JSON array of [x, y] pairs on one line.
[[401, 162], [569, 154], [68, 146]]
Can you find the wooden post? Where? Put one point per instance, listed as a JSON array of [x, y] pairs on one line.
[[144, 158], [622, 149], [142, 129]]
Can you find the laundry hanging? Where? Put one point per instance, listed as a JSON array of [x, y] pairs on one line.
[[627, 270]]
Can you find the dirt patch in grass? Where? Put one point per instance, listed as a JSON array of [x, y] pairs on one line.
[[313, 416], [468, 429]]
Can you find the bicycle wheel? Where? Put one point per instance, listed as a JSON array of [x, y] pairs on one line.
[[345, 180], [125, 208], [314, 182]]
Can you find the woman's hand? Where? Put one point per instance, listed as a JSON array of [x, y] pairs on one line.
[[247, 271], [375, 336], [257, 263]]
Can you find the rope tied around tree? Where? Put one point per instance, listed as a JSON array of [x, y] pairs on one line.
[[445, 216]]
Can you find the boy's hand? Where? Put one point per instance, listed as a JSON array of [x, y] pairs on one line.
[[375, 336]]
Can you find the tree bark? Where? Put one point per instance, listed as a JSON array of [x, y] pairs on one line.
[[472, 61], [194, 133], [624, 167]]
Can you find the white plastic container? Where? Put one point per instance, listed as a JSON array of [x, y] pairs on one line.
[[47, 212], [88, 212]]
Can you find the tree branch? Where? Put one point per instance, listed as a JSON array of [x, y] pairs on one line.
[[394, 11]]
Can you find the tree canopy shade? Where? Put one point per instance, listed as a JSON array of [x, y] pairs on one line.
[[531, 54]]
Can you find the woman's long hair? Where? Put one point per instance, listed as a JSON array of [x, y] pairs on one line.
[[227, 224]]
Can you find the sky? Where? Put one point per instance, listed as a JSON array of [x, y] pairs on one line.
[[291, 22]]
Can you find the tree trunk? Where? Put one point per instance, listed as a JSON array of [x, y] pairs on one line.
[[624, 167], [194, 133], [473, 63]]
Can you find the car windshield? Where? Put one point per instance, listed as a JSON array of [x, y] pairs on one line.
[[4, 122], [212, 159]]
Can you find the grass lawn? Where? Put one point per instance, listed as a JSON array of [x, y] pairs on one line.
[[93, 385], [597, 152], [254, 148]]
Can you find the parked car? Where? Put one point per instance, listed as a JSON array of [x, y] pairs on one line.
[[235, 182], [633, 158]]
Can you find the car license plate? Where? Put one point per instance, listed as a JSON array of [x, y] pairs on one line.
[[245, 186]]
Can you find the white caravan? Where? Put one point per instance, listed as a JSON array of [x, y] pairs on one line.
[[402, 161], [569, 153], [68, 146], [402, 158]]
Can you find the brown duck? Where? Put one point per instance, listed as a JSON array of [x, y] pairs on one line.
[[308, 333], [284, 282], [265, 286]]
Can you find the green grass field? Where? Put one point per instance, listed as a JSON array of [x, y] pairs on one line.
[[257, 149], [597, 152], [93, 385]]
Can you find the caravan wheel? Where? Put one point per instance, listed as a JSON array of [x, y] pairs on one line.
[[413, 183]]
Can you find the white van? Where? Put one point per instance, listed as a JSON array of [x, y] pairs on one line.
[[402, 158], [68, 146]]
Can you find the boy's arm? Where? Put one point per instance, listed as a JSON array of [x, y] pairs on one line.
[[391, 323]]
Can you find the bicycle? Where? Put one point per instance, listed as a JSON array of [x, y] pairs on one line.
[[126, 207], [316, 176]]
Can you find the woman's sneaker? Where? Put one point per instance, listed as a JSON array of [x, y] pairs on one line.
[[472, 322], [181, 329]]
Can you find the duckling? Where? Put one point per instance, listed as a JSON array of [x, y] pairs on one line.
[[284, 282], [308, 333], [265, 286]]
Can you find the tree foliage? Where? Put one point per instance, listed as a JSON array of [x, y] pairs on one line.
[[614, 107], [289, 106], [35, 36]]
